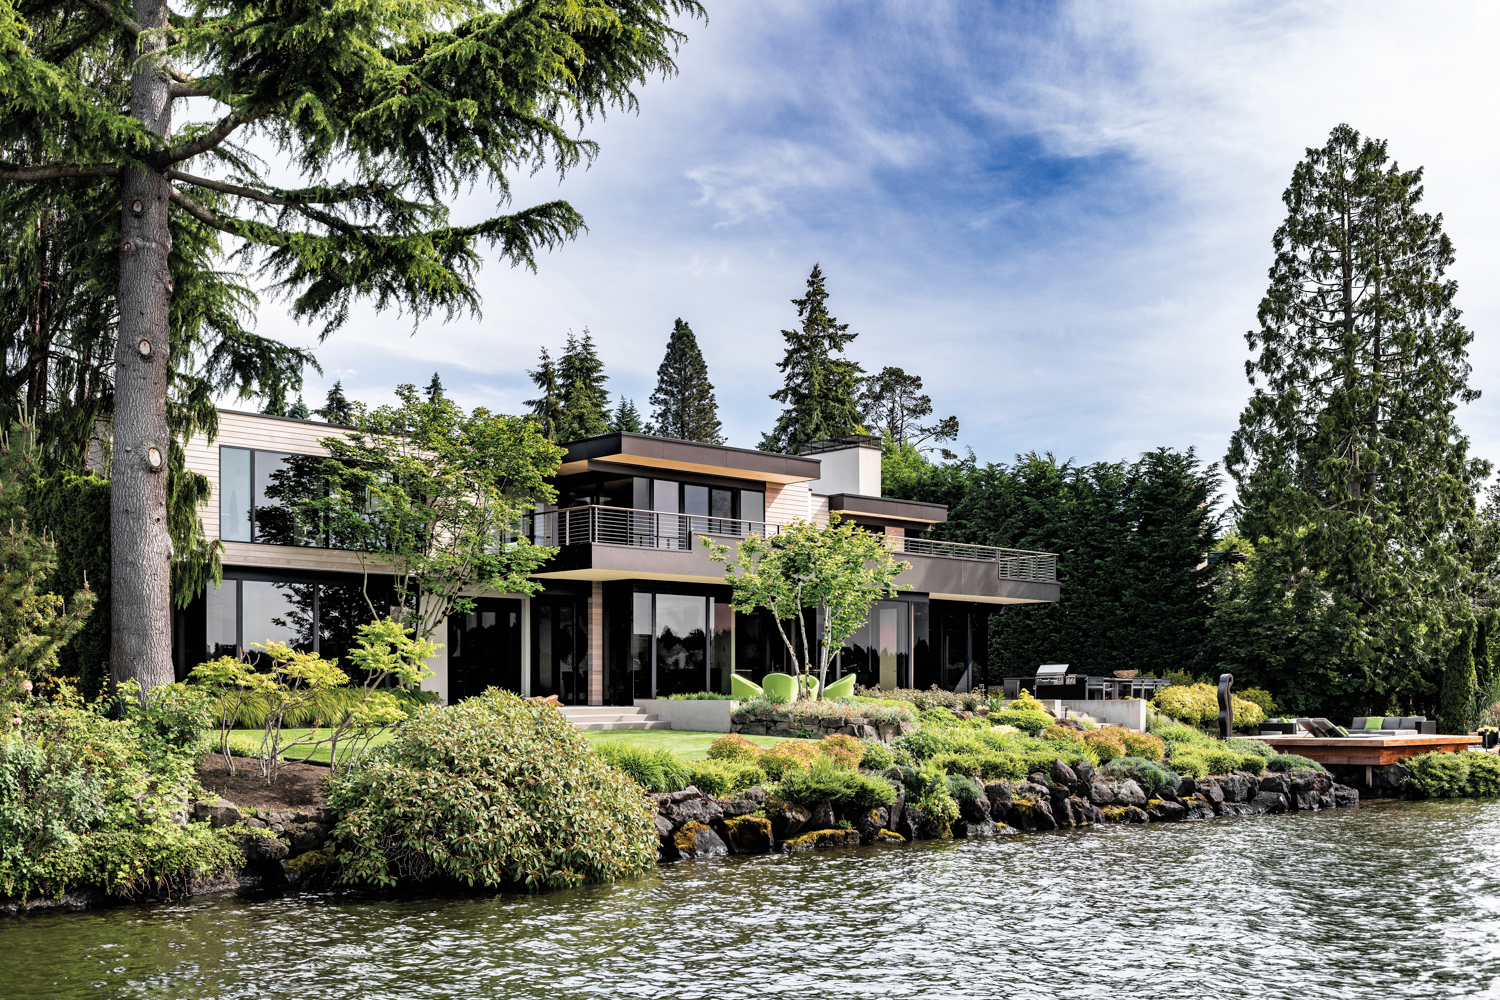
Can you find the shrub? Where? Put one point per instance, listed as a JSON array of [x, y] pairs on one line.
[[933, 797], [964, 788], [836, 712], [173, 716], [938, 716], [1438, 775], [788, 756], [721, 778], [1106, 743], [876, 756], [1198, 704], [733, 747], [1260, 698], [700, 696], [494, 790], [1025, 702], [842, 748], [1484, 774], [1142, 744], [1291, 762], [1174, 734], [1252, 762], [1259, 748], [933, 697], [1191, 762], [1028, 722], [1221, 760], [824, 781], [1148, 774]]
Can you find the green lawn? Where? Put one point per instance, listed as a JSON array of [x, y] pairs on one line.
[[687, 745]]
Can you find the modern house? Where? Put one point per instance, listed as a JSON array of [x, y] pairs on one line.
[[631, 606]]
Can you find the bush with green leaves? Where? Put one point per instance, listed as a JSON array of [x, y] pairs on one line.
[[86, 801], [1150, 775], [176, 717], [938, 716], [1253, 763], [1198, 704], [1453, 775], [929, 792], [1292, 762], [1259, 748], [700, 696], [989, 765], [1260, 698], [1106, 743], [923, 699], [825, 781], [655, 769], [1139, 744], [494, 791], [733, 747], [722, 778], [1027, 722], [1173, 733], [1191, 763], [877, 756]]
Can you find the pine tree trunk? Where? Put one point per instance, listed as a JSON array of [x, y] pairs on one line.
[[141, 548]]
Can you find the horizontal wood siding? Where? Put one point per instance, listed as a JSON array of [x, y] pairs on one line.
[[785, 504]]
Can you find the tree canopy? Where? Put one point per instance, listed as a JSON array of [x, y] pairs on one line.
[[572, 403], [821, 388], [683, 401], [893, 404]]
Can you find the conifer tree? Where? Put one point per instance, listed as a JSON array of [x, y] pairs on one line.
[[1348, 458], [298, 410], [683, 402], [1460, 686], [548, 406], [435, 389], [580, 379], [627, 418], [336, 409], [821, 386], [894, 404], [380, 112]]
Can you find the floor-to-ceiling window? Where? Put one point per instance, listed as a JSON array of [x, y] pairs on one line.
[[484, 648], [559, 649], [679, 644], [879, 651], [317, 612]]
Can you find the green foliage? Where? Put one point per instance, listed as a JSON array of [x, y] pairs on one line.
[[1218, 759], [73, 509], [837, 712], [492, 791], [627, 418], [825, 781], [1257, 748], [1460, 686], [1260, 698], [655, 769], [172, 717], [1147, 745], [838, 569], [1150, 775], [700, 696], [430, 491], [1439, 775], [930, 793], [1191, 762], [922, 699], [1353, 477], [722, 778], [85, 801], [683, 401], [573, 403], [1173, 733], [938, 717], [1292, 762], [1251, 762], [1029, 723], [1106, 743], [989, 765], [877, 756], [1198, 705], [893, 404], [820, 394], [733, 747], [1135, 590]]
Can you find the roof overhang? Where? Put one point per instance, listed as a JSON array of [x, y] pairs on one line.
[[887, 509], [645, 452]]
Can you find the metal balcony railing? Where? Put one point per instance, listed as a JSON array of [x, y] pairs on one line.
[[646, 529], [1012, 564]]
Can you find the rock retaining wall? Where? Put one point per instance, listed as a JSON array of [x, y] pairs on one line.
[[786, 723], [691, 824]]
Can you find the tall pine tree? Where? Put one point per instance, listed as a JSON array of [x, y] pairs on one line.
[[683, 402], [585, 401], [336, 408], [380, 113], [821, 387], [1351, 468], [627, 418], [548, 405]]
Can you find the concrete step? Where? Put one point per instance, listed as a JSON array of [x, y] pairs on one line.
[[606, 717], [649, 722]]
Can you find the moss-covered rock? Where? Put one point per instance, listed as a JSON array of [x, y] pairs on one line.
[[820, 840]]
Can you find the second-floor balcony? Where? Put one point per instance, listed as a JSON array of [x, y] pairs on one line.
[[679, 533]]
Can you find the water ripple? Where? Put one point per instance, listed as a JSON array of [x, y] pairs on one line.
[[1390, 898]]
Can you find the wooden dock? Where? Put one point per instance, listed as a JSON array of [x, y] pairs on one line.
[[1371, 751]]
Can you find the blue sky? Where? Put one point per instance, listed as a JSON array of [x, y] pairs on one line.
[[1059, 215]]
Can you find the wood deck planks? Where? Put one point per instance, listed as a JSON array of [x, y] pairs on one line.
[[1368, 751]]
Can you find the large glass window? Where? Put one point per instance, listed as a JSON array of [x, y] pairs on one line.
[[721, 656], [879, 651], [318, 615], [559, 649], [681, 644], [642, 628], [484, 649], [254, 488]]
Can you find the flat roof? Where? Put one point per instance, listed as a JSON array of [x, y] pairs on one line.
[[646, 451], [888, 508]]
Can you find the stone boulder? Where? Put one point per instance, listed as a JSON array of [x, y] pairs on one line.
[[1267, 802], [1345, 797], [787, 818], [998, 793], [1198, 806], [217, 814], [911, 822], [1085, 773], [1064, 775], [1101, 794], [1276, 783], [1031, 813], [821, 840], [970, 830], [1165, 810], [699, 810], [1129, 793], [697, 840], [975, 810], [745, 834]]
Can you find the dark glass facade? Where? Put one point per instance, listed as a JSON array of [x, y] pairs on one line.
[[484, 648]]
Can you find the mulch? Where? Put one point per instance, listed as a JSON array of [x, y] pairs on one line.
[[297, 785]]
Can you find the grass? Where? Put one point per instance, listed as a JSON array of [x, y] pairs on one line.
[[687, 745]]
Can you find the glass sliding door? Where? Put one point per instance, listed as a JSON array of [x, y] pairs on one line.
[[484, 649], [681, 644], [559, 649]]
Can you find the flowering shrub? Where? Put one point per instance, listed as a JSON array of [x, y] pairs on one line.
[[835, 712], [933, 697]]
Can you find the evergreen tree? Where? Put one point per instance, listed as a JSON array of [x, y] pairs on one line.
[[435, 389], [337, 409], [548, 406], [1352, 471], [893, 405], [683, 401], [821, 387], [414, 101], [298, 410], [585, 401], [627, 418], [1460, 686]]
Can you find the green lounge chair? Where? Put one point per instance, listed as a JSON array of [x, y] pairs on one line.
[[779, 687], [743, 689], [810, 686], [841, 688]]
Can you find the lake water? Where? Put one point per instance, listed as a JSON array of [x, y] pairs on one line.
[[1389, 900]]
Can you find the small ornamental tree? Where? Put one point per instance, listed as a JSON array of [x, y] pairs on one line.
[[432, 495], [838, 570]]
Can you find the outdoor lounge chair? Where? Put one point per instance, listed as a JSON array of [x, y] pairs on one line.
[[1322, 728], [841, 688], [779, 687], [743, 688]]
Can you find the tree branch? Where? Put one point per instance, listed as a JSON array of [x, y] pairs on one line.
[[53, 171], [213, 137], [224, 187], [104, 7], [181, 90]]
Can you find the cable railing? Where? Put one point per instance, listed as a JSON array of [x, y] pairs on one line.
[[648, 529], [1012, 564]]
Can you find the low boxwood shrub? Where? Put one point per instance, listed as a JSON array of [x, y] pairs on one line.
[[1292, 762], [496, 790], [1251, 762], [700, 696], [1259, 748], [933, 697], [1141, 744], [825, 781], [876, 756], [1451, 775], [1191, 762], [788, 756], [1150, 775]]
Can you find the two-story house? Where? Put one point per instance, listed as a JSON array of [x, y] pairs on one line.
[[631, 605]]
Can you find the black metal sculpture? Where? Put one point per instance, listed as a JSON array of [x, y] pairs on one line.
[[1226, 706]]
